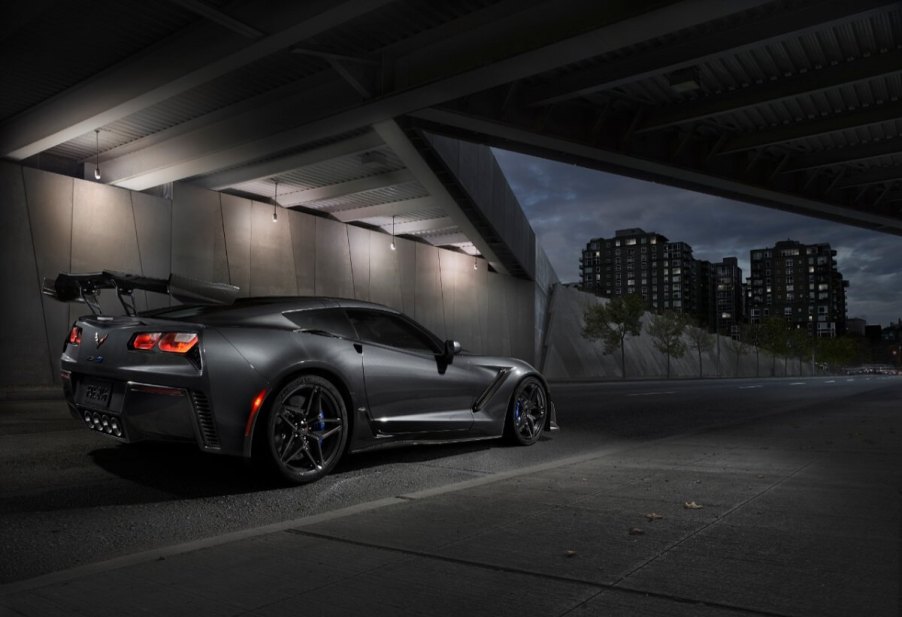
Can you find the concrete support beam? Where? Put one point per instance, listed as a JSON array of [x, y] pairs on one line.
[[194, 58], [392, 135], [617, 162], [419, 83]]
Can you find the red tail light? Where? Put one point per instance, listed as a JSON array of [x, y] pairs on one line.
[[75, 335], [178, 342], [169, 342], [145, 341]]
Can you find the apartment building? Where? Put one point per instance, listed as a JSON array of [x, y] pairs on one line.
[[800, 283], [664, 273]]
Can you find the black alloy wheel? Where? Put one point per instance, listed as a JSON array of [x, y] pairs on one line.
[[306, 429], [528, 412]]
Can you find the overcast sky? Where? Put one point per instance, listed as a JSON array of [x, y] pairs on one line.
[[568, 205]]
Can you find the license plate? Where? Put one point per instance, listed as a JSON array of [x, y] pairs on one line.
[[96, 393]]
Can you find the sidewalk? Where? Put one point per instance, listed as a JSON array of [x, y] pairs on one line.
[[799, 516]]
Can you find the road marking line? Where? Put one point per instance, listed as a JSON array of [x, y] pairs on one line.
[[830, 381], [750, 387], [797, 383]]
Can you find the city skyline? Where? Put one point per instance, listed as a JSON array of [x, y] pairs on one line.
[[563, 204]]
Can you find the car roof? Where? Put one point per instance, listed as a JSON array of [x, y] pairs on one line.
[[253, 309]]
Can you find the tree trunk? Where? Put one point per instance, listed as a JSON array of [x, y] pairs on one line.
[[717, 353], [622, 361], [700, 375], [668, 366]]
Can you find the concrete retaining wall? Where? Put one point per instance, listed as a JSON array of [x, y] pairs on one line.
[[569, 356], [52, 223]]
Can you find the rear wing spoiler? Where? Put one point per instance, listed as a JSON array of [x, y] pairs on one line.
[[86, 287]]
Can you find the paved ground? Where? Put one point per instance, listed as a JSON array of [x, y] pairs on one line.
[[800, 515]]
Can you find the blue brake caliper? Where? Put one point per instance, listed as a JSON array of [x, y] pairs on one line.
[[321, 422]]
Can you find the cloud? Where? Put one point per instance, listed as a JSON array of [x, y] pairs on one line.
[[568, 205]]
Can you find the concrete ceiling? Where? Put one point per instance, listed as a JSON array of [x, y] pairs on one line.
[[789, 104]]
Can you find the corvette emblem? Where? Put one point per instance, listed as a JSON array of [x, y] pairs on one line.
[[99, 340]]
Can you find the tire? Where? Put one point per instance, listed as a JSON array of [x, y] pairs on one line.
[[527, 413], [305, 430]]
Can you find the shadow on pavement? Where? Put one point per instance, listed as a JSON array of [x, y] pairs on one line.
[[180, 471]]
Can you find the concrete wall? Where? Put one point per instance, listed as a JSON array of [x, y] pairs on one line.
[[568, 356], [52, 223], [477, 172]]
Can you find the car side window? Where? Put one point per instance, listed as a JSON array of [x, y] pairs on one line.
[[389, 329], [330, 321]]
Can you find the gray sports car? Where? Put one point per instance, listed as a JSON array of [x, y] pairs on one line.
[[294, 382]]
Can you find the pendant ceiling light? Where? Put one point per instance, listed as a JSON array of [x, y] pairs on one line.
[[97, 154], [275, 200], [392, 245]]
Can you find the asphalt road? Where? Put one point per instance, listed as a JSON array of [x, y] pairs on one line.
[[69, 496]]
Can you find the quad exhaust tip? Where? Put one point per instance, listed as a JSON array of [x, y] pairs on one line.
[[102, 423]]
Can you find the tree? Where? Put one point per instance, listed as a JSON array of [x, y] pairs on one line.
[[837, 352], [752, 334], [774, 337], [613, 322], [739, 348], [799, 344], [702, 341], [667, 331]]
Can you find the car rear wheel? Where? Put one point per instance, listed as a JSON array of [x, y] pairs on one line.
[[527, 413], [306, 429]]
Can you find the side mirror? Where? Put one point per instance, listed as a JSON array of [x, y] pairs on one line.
[[452, 348]]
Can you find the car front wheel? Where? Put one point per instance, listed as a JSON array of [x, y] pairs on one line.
[[527, 413], [306, 429]]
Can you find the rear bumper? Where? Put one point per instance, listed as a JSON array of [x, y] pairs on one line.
[[130, 411]]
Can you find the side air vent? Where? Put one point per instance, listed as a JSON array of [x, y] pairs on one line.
[[205, 420]]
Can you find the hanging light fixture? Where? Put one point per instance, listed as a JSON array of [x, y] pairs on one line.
[[475, 263], [275, 200], [392, 245], [97, 154]]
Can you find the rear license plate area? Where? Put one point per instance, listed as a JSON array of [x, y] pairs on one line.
[[94, 393]]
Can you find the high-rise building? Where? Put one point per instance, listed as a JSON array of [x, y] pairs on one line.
[[799, 283], [637, 262], [728, 297]]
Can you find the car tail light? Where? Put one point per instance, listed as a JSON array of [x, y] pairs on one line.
[[75, 335], [145, 341], [169, 342], [177, 342]]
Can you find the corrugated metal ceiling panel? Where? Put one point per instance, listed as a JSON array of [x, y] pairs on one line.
[[383, 195], [96, 35], [344, 169]]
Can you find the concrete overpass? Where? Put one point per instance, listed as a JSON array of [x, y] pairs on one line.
[[162, 136], [792, 104]]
